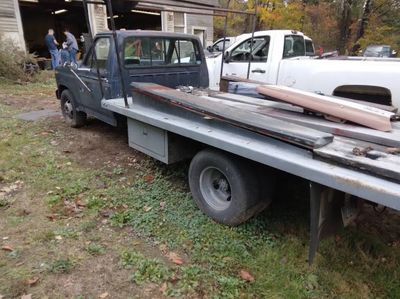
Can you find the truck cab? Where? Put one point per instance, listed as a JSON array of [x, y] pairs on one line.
[[169, 59]]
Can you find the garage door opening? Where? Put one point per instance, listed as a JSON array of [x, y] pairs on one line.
[[137, 19], [38, 16]]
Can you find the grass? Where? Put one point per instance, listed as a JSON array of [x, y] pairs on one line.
[[43, 84], [62, 266], [95, 249], [272, 247]]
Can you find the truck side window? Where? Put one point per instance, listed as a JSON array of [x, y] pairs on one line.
[[293, 46], [259, 51], [309, 48], [102, 48]]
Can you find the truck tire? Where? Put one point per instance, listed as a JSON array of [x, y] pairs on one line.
[[74, 118], [225, 187]]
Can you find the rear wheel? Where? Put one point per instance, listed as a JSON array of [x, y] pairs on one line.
[[225, 187], [74, 118]]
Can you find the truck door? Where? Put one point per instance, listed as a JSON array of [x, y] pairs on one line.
[[91, 95], [237, 62]]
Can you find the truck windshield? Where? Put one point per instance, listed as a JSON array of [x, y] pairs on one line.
[[155, 51], [294, 46]]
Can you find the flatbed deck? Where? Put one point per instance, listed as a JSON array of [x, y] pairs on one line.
[[254, 146]]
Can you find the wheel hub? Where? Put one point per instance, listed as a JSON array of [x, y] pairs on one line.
[[68, 109], [215, 188]]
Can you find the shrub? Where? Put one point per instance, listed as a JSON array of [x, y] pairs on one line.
[[15, 64]]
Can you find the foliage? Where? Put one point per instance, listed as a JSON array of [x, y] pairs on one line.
[[15, 64], [331, 24]]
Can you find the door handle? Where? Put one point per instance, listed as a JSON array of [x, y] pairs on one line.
[[258, 71]]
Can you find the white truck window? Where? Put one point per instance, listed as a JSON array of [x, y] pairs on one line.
[[259, 52], [294, 46]]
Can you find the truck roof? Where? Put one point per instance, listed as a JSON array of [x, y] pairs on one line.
[[128, 33], [272, 32]]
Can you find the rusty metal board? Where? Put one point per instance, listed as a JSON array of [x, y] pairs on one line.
[[364, 156], [238, 116], [255, 101], [340, 108]]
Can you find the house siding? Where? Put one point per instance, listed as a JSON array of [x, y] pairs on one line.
[[10, 22]]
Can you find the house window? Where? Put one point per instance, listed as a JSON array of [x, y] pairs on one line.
[[179, 22]]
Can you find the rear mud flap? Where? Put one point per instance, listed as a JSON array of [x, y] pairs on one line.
[[325, 215]]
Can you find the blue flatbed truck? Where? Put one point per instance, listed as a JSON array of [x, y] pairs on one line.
[[231, 175]]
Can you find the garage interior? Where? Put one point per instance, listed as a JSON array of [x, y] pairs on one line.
[[40, 15]]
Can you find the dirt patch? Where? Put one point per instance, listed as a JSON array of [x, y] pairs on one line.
[[30, 103], [96, 145]]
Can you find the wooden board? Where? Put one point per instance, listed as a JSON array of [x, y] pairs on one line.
[[340, 108], [375, 161], [238, 116]]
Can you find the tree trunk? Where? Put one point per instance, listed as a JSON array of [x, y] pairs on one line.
[[361, 24], [344, 24]]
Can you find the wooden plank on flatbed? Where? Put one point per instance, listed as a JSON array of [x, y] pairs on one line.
[[238, 116], [340, 108], [361, 155]]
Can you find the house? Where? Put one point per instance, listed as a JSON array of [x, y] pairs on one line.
[[27, 21]]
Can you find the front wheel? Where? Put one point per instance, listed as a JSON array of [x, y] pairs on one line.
[[225, 187], [74, 118]]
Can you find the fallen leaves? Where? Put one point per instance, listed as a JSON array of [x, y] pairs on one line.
[[7, 248], [147, 208], [11, 188], [162, 205], [245, 275], [148, 178], [175, 258], [162, 289], [104, 295], [32, 281]]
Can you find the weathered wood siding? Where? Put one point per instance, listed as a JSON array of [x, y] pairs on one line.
[[8, 19], [10, 22], [200, 22]]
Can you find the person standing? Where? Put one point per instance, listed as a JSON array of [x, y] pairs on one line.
[[72, 46], [52, 44]]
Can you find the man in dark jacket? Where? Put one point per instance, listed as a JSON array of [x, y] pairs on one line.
[[72, 45], [52, 44]]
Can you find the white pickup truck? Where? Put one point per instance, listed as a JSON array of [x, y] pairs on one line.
[[285, 57]]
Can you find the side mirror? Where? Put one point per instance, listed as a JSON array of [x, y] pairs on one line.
[[210, 49], [227, 57]]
